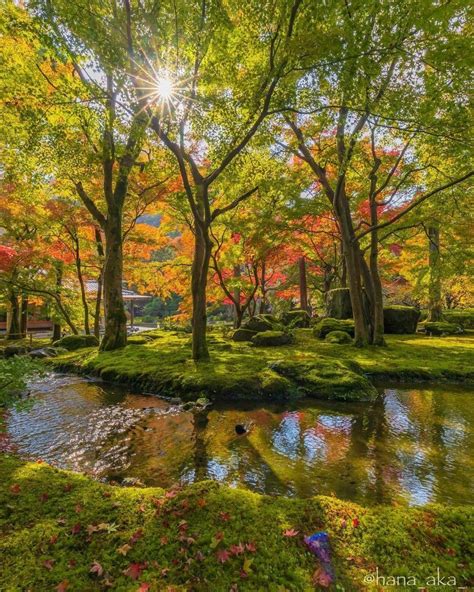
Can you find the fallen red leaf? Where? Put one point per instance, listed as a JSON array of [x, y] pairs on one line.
[[106, 494], [222, 555], [164, 572], [48, 564], [201, 502], [164, 540], [72, 563], [134, 570], [63, 586], [171, 494], [183, 526], [251, 548], [355, 522], [43, 497], [53, 539], [321, 578], [136, 536], [15, 489], [96, 568], [76, 529], [78, 508], [224, 516], [144, 587], [124, 549], [67, 487], [237, 549], [290, 532]]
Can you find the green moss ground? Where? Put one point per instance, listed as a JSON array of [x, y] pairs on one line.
[[55, 525], [239, 370]]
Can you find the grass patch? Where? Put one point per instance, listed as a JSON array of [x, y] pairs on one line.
[[56, 525]]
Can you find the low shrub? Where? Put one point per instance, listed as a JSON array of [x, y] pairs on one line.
[[338, 337], [325, 326], [398, 319], [73, 342], [266, 338], [463, 317]]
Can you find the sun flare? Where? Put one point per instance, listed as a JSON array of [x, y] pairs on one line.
[[164, 88]]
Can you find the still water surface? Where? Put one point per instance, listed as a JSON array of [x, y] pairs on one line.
[[411, 446]]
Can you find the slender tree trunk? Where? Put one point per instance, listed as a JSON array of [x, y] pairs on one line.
[[56, 332], [435, 274], [263, 289], [303, 284], [200, 268], [85, 304], [115, 335], [24, 315], [14, 329], [343, 268], [377, 293], [237, 311], [98, 297]]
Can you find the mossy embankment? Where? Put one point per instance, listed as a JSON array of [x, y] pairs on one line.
[[64, 531], [306, 367]]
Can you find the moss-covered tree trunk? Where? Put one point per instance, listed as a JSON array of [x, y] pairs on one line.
[[24, 315], [98, 296], [238, 313], [435, 305], [303, 284], [80, 277], [376, 308], [200, 269], [115, 335], [13, 329]]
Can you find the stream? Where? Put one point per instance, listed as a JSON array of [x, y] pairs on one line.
[[412, 446]]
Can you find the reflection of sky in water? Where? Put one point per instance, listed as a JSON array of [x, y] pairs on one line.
[[411, 446], [286, 438]]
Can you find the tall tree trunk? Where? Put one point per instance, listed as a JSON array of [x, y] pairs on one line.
[[115, 335], [237, 310], [353, 266], [98, 297], [435, 274], [14, 329], [263, 288], [377, 293], [85, 304], [24, 315], [343, 268], [303, 284], [200, 268]]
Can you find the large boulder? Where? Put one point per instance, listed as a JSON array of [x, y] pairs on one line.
[[73, 342], [338, 304], [399, 319], [441, 328], [326, 326], [16, 350], [338, 337], [243, 334], [266, 338], [297, 318], [259, 323]]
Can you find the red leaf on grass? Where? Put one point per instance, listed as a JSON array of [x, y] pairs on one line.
[[63, 586], [67, 487], [251, 548], [171, 494], [164, 572], [291, 532], [201, 502], [96, 568], [124, 549], [144, 587], [78, 508], [106, 494], [48, 564], [222, 555], [134, 570], [53, 539], [164, 540], [224, 516], [43, 497], [355, 522], [76, 529], [72, 563], [183, 526], [237, 549], [137, 535], [321, 578], [15, 489]]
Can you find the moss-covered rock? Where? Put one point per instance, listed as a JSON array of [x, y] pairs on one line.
[[400, 320], [275, 385], [295, 319], [338, 304], [326, 379], [325, 326], [441, 328], [266, 338], [259, 323], [137, 340], [73, 342], [338, 337], [243, 334]]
